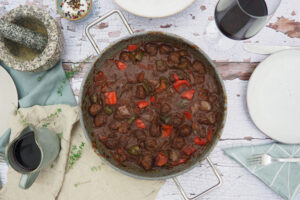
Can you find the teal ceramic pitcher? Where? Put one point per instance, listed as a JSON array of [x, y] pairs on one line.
[[33, 150]]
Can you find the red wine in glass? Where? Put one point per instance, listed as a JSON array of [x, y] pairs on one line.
[[242, 19]]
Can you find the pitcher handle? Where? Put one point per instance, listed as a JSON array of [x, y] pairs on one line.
[[87, 29], [27, 180]]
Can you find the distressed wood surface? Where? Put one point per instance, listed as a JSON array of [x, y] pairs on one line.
[[234, 64]]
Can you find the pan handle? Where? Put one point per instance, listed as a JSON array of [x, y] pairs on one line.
[[216, 172], [87, 29]]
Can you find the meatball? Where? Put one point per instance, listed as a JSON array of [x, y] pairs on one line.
[[174, 57], [165, 49], [111, 143], [213, 97], [212, 118], [140, 92], [165, 108], [173, 155], [123, 140], [94, 109], [183, 53], [155, 130], [140, 77], [124, 56], [151, 144], [140, 135], [147, 161], [177, 119], [114, 125], [121, 155], [203, 94], [122, 112], [199, 67], [123, 128], [151, 49], [206, 119], [161, 65], [185, 130], [100, 120], [178, 143], [205, 106]]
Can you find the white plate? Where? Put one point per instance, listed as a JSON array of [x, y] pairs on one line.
[[154, 8], [8, 99], [273, 96]]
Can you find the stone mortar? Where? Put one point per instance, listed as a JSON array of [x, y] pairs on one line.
[[19, 57]]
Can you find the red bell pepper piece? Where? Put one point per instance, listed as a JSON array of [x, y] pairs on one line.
[[111, 98], [176, 77], [187, 115], [200, 141], [121, 65], [166, 130], [188, 150], [98, 76], [180, 161], [140, 124], [209, 135], [180, 83], [132, 47], [161, 160], [142, 104], [152, 99], [188, 94]]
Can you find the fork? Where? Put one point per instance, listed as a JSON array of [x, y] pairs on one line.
[[265, 159]]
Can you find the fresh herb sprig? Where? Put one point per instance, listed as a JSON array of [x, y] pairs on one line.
[[75, 154], [80, 183], [75, 68]]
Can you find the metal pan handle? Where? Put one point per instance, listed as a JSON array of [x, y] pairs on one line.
[[220, 182], [87, 29]]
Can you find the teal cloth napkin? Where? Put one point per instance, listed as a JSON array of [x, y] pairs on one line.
[[44, 88], [283, 178]]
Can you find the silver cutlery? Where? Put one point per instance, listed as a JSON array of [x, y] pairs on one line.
[[265, 159], [266, 49]]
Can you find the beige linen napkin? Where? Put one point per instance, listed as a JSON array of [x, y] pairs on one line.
[[88, 179], [60, 119]]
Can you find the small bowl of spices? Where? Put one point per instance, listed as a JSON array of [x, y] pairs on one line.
[[73, 10]]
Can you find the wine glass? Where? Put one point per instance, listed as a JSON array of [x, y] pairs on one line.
[[240, 20]]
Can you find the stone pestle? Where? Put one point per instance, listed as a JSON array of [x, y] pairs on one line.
[[22, 35]]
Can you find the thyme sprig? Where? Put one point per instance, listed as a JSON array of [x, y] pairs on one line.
[[75, 154]]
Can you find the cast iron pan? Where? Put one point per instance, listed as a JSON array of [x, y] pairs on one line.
[[87, 122]]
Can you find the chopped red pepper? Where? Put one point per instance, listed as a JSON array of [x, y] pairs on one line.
[[187, 115], [161, 160], [111, 98], [121, 65], [188, 94], [166, 130], [152, 99], [142, 104], [98, 76], [188, 150], [119, 151], [180, 83], [144, 67], [209, 135], [176, 77], [132, 47], [180, 161], [200, 141], [140, 124]]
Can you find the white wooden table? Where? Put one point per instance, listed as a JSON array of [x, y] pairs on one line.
[[235, 65]]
